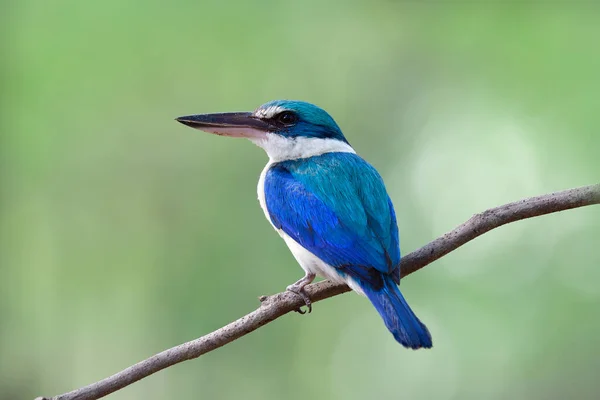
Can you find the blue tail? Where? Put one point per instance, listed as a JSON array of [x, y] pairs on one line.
[[397, 315]]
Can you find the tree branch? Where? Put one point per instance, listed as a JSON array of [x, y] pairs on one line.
[[273, 307]]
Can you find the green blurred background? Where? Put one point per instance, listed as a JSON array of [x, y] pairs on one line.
[[123, 233]]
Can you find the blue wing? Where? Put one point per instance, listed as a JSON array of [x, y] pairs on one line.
[[336, 206]]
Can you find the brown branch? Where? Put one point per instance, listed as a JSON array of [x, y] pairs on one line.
[[273, 307]]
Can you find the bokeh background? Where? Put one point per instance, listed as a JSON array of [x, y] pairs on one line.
[[123, 233]]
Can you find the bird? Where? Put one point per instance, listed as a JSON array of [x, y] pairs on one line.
[[328, 204]]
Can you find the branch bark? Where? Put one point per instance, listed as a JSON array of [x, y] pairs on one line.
[[275, 306]]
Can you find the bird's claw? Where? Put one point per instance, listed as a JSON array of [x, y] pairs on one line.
[[302, 293]]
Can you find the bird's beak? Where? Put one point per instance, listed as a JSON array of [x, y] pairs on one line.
[[237, 124]]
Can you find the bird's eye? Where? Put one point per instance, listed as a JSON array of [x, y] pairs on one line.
[[287, 118]]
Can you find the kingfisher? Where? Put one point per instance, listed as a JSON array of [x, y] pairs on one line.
[[328, 204]]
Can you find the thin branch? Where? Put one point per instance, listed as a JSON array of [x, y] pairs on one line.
[[273, 307]]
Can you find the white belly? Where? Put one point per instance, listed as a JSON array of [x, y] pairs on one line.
[[308, 261]]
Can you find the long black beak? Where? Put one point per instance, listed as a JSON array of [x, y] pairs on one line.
[[237, 124]]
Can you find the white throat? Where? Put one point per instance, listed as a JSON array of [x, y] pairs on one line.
[[280, 148]]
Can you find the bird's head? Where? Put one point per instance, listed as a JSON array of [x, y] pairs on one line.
[[286, 129]]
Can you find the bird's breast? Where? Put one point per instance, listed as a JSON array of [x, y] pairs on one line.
[[260, 190]]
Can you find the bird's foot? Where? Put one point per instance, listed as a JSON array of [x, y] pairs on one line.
[[298, 288]]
